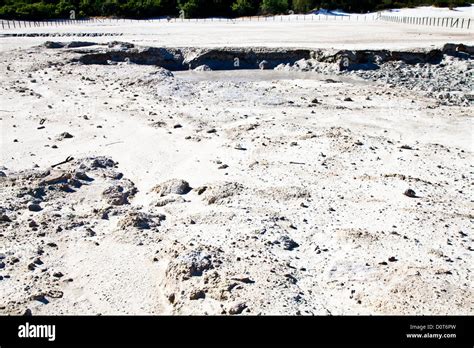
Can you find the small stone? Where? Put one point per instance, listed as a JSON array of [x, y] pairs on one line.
[[66, 188], [240, 147], [56, 177], [55, 294], [74, 183], [173, 186], [40, 298], [393, 259], [82, 176], [171, 298], [288, 243], [237, 308], [34, 207], [243, 279], [58, 274], [291, 278], [65, 135], [410, 193], [5, 218], [90, 232], [197, 294], [119, 194]]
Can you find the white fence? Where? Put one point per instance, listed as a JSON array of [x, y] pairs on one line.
[[15, 24], [445, 22], [460, 23]]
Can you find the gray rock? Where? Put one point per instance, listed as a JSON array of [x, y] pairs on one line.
[[80, 175], [173, 186], [34, 207], [192, 264], [93, 163], [237, 308], [65, 135], [120, 194], [5, 218], [197, 294], [52, 44], [410, 193], [288, 243]]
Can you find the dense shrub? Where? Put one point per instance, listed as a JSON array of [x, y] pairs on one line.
[[303, 6], [43, 9], [243, 7], [274, 6]]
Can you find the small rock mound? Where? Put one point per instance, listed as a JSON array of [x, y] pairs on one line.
[[215, 193], [173, 186], [93, 163], [141, 221], [288, 243], [191, 264], [119, 194]]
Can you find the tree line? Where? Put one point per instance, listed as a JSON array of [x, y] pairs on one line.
[[50, 9]]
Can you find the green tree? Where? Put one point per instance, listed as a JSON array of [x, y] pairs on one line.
[[274, 6], [63, 8], [303, 5], [243, 7], [190, 7]]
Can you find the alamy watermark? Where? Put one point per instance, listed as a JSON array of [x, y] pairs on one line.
[[37, 331]]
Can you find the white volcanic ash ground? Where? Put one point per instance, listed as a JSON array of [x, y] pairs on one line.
[[194, 192]]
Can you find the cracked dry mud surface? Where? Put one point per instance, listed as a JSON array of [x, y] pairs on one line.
[[237, 192]]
